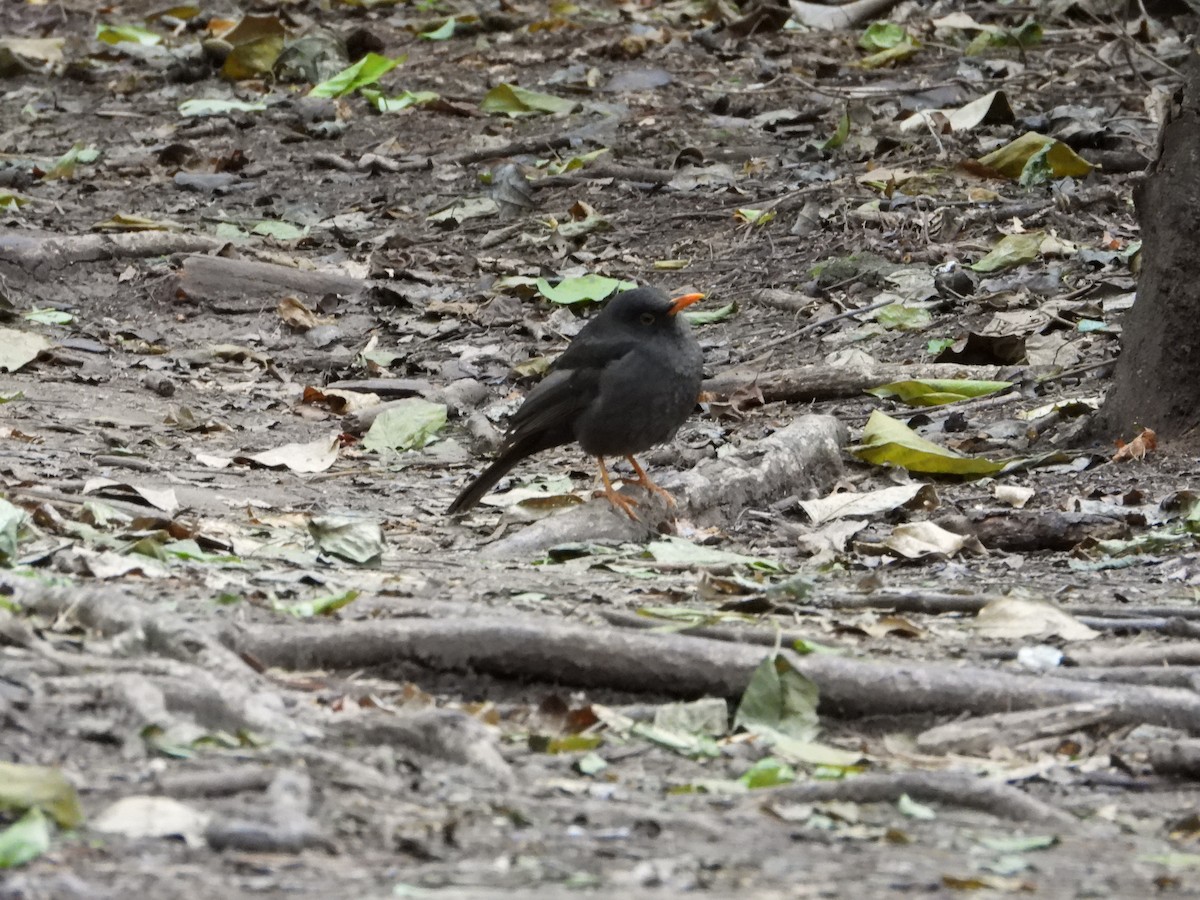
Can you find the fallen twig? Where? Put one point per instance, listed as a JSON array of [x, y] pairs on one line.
[[951, 788]]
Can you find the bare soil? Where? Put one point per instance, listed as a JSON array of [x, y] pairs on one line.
[[130, 672]]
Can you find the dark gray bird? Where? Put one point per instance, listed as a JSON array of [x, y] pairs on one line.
[[628, 380]]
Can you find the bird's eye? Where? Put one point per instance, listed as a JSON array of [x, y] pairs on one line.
[[647, 318]]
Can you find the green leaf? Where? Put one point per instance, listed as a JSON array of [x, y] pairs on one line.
[[914, 810], [24, 840], [936, 391], [779, 700], [25, 787], [512, 101], [559, 166], [886, 441], [197, 109], [366, 71], [319, 606], [189, 551], [281, 231], [466, 208], [582, 289], [710, 316], [881, 36], [1025, 35], [567, 743], [49, 316], [11, 201], [839, 137], [768, 772], [590, 764], [407, 425], [757, 217], [1019, 843], [357, 541], [904, 50], [64, 166], [902, 317], [397, 102], [13, 525], [443, 32], [1174, 860], [680, 552], [1011, 250], [804, 646], [1012, 158], [696, 745], [936, 345], [131, 34], [1037, 169]]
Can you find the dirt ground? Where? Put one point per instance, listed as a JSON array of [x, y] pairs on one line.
[[318, 685]]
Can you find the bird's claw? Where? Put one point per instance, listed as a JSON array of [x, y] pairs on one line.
[[624, 504], [650, 486]]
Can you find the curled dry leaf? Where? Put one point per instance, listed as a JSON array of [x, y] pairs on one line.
[[1137, 448], [915, 540], [1016, 617], [1013, 495]]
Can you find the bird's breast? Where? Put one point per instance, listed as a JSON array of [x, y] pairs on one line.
[[642, 399]]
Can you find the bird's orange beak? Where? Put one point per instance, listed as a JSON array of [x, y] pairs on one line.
[[683, 302]]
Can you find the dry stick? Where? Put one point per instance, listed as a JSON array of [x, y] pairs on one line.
[[951, 788], [763, 637], [1011, 729], [1163, 676], [826, 382], [1179, 758], [800, 332], [516, 148], [931, 603], [690, 667], [935, 603], [37, 253], [597, 171], [1183, 654]]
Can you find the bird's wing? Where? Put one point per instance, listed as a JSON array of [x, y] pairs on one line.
[[551, 408], [594, 352]]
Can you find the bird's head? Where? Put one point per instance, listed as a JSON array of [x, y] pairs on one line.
[[647, 307]]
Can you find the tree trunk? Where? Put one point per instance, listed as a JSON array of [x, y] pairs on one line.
[[1157, 379]]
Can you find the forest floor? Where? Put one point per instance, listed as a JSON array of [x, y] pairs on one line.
[[239, 626]]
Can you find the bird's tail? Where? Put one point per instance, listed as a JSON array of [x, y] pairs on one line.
[[485, 481]]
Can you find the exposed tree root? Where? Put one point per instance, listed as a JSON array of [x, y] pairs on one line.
[[693, 667], [950, 788]]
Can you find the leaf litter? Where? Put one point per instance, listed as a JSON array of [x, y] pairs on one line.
[[782, 155]]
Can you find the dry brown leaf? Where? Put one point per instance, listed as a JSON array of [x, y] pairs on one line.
[[1137, 448]]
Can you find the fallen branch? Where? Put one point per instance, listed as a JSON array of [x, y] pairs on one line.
[[1177, 654], [820, 381], [977, 735], [1177, 758], [209, 278], [803, 458], [690, 667], [950, 788], [40, 255]]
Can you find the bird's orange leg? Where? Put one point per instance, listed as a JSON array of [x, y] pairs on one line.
[[624, 504], [644, 481]]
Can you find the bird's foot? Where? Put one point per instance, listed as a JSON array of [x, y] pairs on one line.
[[621, 502], [644, 481], [625, 504]]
